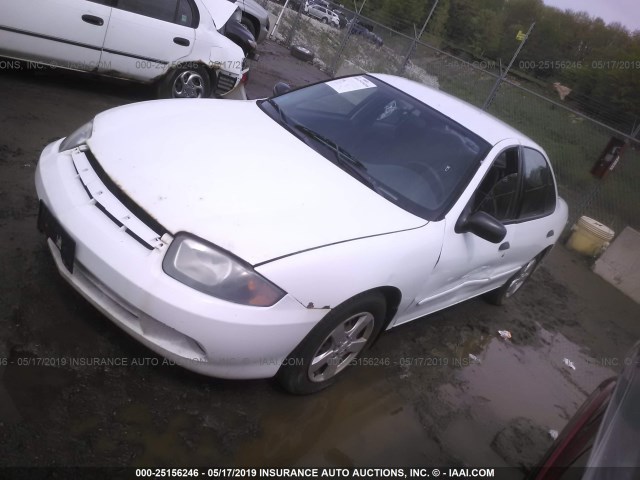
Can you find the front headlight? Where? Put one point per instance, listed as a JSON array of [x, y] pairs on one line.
[[215, 272], [77, 138]]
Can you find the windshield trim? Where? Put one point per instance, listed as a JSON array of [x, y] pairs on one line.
[[271, 108]]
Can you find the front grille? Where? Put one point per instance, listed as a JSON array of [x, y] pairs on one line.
[[226, 82], [117, 206]]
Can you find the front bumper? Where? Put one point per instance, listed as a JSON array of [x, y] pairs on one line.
[[125, 281]]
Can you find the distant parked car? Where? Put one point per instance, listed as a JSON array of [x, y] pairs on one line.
[[366, 32], [323, 14], [342, 19], [172, 43], [320, 3], [360, 204]]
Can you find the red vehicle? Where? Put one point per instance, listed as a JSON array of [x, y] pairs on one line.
[[602, 440]]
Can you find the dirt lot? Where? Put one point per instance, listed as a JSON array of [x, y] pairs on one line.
[[453, 393]]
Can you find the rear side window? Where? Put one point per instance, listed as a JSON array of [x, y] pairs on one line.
[[497, 195], [160, 9], [538, 189], [185, 14], [174, 11]]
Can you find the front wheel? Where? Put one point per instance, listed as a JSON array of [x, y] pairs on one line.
[[186, 82], [502, 294], [333, 344]]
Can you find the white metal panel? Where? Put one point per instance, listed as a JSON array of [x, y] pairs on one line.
[[53, 31], [141, 47], [111, 204], [260, 199]]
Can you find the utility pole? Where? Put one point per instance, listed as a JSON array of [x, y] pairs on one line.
[[275, 27], [417, 38], [503, 75]]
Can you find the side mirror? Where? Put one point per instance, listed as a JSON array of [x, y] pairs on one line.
[[281, 88], [483, 225]]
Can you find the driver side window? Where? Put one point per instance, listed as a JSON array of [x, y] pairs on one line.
[[498, 191]]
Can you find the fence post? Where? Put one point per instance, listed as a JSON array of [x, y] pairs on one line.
[[294, 27], [277, 24], [345, 39], [416, 39], [503, 75]]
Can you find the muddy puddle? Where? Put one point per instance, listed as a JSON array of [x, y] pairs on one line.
[[493, 406], [526, 390], [362, 422]]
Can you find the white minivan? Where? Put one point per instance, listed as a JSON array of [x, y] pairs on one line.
[[174, 44]]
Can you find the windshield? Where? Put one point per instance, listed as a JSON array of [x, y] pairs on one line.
[[398, 146]]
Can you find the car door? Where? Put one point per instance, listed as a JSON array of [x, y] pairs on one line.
[[536, 226], [65, 33], [469, 265], [146, 37]]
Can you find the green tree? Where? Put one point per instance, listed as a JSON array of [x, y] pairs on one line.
[[437, 24]]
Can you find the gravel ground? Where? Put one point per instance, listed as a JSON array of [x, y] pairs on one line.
[[444, 390]]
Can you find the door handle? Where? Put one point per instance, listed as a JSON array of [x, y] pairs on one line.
[[93, 20], [181, 41], [504, 246], [550, 233]]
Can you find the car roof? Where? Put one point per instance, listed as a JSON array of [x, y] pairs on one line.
[[478, 121]]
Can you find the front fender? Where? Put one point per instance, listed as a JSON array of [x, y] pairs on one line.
[[327, 276]]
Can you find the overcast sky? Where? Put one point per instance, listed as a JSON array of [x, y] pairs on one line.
[[627, 12]]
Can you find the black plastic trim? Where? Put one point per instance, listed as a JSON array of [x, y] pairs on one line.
[[259, 264], [48, 37], [137, 57], [117, 192]]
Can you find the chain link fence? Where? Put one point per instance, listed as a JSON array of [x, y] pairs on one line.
[[574, 143], [573, 140]]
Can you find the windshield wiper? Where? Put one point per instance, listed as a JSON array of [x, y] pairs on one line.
[[276, 107], [348, 161], [341, 153]]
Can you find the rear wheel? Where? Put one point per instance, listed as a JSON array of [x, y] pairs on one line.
[[185, 82], [502, 294], [333, 344]]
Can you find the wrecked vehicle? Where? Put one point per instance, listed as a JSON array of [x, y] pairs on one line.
[[174, 44], [255, 18], [241, 36], [360, 204]]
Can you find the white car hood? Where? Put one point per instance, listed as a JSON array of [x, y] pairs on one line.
[[226, 172], [220, 10]]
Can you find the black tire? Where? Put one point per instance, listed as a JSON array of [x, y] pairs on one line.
[[302, 53], [325, 20], [185, 82], [499, 296], [250, 26], [334, 343]]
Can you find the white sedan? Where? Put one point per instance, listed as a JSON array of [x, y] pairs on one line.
[[284, 248], [174, 44]]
